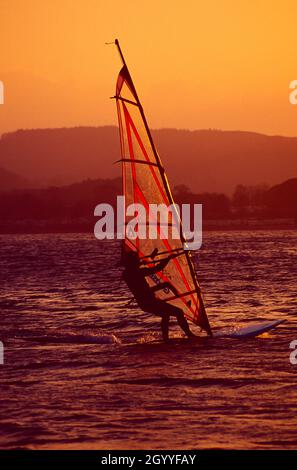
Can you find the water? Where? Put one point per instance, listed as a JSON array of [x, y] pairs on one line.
[[81, 370]]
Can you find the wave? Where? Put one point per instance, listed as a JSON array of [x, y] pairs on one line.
[[75, 339]]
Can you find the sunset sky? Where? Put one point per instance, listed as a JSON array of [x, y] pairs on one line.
[[217, 64]]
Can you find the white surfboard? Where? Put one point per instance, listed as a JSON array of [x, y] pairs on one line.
[[250, 331]]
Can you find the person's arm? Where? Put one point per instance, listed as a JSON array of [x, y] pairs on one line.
[[158, 267]]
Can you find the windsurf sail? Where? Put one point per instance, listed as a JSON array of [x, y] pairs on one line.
[[145, 182]]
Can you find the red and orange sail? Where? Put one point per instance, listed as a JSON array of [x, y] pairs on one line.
[[145, 182]]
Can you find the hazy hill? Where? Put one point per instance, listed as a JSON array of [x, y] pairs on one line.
[[10, 180], [71, 201], [282, 199], [205, 160], [61, 156]]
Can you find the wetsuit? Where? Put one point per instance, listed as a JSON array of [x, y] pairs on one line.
[[135, 276]]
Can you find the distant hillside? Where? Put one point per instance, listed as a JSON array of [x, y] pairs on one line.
[[205, 160], [72, 201], [282, 199], [61, 156], [10, 180]]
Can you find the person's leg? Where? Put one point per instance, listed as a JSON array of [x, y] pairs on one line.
[[181, 320], [156, 308], [166, 310], [165, 326]]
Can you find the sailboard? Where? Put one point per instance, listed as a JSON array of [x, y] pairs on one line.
[[144, 182], [250, 331]]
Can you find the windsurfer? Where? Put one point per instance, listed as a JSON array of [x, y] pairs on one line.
[[134, 275]]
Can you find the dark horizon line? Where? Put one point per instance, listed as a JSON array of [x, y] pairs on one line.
[[209, 129]]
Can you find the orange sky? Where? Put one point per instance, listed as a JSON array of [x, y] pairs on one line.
[[196, 64]]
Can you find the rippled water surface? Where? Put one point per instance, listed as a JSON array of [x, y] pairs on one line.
[[82, 370]]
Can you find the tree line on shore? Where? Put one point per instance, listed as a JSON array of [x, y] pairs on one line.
[[77, 201]]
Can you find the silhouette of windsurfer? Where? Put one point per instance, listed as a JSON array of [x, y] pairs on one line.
[[135, 277]]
